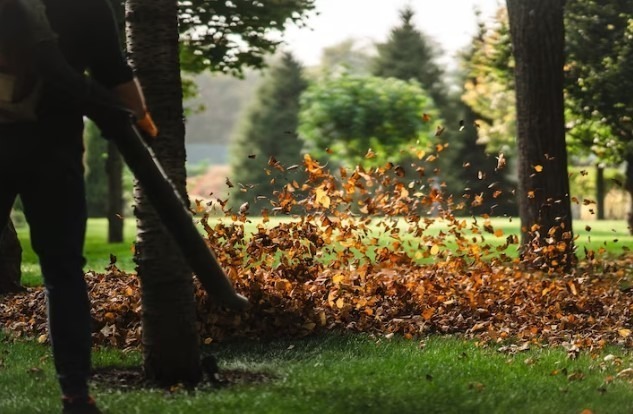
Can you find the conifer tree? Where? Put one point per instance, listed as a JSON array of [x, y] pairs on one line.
[[410, 54], [266, 142]]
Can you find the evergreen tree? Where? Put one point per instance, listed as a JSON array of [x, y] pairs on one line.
[[96, 175], [486, 178], [267, 142], [410, 54]]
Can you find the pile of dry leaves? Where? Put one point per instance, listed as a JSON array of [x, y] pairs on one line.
[[489, 304], [361, 251]]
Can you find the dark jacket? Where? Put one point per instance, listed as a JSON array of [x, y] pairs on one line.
[[79, 36], [88, 38]]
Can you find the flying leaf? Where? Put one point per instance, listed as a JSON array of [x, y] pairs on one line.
[[322, 198]]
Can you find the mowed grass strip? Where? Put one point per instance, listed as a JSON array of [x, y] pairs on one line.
[[350, 374], [611, 237]]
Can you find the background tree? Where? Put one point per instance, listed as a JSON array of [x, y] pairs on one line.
[[538, 40], [478, 177], [104, 181], [596, 35], [600, 73], [113, 162], [267, 140], [410, 54], [489, 85], [96, 176], [342, 118], [228, 36], [116, 194]]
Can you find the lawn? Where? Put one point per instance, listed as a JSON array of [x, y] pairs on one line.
[[97, 250], [350, 374], [611, 235]]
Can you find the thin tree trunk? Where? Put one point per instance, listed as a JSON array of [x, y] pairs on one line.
[[10, 260], [600, 191], [170, 336], [629, 188], [537, 32], [114, 168]]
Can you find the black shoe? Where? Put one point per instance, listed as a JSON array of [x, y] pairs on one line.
[[79, 405]]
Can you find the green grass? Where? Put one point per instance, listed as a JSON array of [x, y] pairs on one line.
[[611, 235], [350, 374], [97, 250], [343, 374]]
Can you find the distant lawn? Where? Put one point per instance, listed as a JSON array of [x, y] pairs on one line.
[[97, 250], [350, 374], [611, 235]]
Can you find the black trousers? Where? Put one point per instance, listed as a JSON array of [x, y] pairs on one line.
[[46, 170]]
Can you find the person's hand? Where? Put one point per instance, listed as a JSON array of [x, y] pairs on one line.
[[147, 125]]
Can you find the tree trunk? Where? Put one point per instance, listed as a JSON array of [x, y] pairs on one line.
[[629, 188], [10, 260], [170, 336], [600, 191], [114, 168], [537, 32]]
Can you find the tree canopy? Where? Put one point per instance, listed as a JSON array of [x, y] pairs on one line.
[[228, 36], [409, 54], [366, 119], [600, 73], [599, 69]]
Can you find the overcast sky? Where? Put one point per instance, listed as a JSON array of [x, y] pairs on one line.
[[451, 23]]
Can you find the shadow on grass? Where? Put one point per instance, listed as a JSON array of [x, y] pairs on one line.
[[126, 378]]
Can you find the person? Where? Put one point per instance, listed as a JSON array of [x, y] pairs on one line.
[[46, 46]]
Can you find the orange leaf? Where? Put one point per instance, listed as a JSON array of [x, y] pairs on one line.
[[427, 314]]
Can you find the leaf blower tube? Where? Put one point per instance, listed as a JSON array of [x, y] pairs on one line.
[[175, 216], [117, 123]]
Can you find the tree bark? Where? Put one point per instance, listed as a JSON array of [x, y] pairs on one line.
[[114, 168], [170, 336], [537, 33], [629, 188], [10, 260], [600, 191]]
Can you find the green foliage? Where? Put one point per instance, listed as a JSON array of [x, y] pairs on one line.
[[489, 84], [583, 179], [600, 69], [96, 176], [599, 74], [342, 118], [267, 140], [589, 137], [410, 54], [227, 36]]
